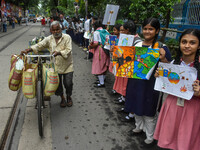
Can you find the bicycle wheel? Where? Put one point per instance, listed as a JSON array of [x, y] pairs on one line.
[[40, 107]]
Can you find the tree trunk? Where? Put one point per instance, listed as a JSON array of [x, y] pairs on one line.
[[162, 39]]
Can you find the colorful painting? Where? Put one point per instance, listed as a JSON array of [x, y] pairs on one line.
[[176, 80], [125, 40], [113, 40], [134, 62]]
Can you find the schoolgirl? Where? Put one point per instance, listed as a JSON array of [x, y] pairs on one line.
[[141, 98], [100, 62], [178, 126], [120, 82], [116, 31]]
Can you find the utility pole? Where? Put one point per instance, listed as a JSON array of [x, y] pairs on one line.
[[86, 7]]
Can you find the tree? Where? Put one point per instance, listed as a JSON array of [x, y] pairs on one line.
[[161, 9]]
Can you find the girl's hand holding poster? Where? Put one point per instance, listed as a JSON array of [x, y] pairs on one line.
[[176, 80]]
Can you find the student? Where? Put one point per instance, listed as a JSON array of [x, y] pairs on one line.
[[120, 82], [141, 98], [100, 60], [178, 127], [116, 31], [87, 30]]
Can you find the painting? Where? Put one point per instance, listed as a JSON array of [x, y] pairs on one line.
[[134, 62], [107, 43], [125, 40], [176, 80], [110, 14], [113, 40]]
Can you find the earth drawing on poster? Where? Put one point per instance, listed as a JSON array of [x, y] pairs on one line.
[[176, 80]]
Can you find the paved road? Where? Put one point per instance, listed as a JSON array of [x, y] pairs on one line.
[[91, 124]]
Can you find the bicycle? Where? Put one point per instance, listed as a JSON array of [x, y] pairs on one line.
[[40, 90]]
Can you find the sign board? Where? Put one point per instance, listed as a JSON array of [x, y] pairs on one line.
[[110, 14]]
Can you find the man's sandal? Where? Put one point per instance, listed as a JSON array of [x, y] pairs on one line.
[[63, 103], [69, 102]]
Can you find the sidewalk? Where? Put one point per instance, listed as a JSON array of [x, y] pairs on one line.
[[7, 96]]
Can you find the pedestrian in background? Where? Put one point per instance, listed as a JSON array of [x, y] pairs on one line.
[[1, 24], [13, 22], [80, 32], [64, 24], [178, 125], [26, 21], [19, 20], [87, 32], [4, 20]]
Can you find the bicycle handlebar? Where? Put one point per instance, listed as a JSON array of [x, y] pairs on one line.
[[38, 55]]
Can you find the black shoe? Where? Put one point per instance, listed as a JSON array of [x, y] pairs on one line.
[[131, 133], [121, 110], [119, 98], [120, 102], [145, 145], [127, 119], [97, 82], [99, 85]]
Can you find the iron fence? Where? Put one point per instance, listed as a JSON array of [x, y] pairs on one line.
[[187, 12]]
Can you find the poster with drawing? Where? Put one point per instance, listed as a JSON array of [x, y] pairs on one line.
[[125, 40], [87, 35], [110, 40], [110, 14], [107, 43], [176, 80], [134, 62], [113, 40]]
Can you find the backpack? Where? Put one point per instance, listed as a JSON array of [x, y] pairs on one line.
[[103, 34]]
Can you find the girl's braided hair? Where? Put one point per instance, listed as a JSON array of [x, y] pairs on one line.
[[177, 60], [154, 22]]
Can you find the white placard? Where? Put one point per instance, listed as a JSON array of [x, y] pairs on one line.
[[125, 40], [110, 14], [107, 43], [176, 80]]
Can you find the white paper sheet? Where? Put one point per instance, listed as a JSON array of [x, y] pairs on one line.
[[125, 40], [110, 14], [176, 80]]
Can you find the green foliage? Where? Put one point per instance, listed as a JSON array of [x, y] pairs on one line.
[[82, 8], [142, 9], [173, 46], [119, 21]]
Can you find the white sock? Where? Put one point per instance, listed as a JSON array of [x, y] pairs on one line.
[[123, 98], [101, 79], [104, 76], [131, 115]]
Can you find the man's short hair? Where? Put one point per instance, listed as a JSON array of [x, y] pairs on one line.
[[56, 23]]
